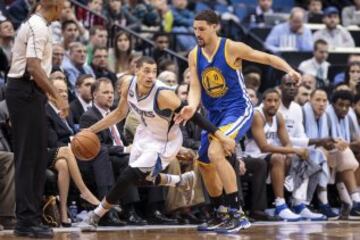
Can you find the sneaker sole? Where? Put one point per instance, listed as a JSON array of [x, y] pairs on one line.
[[209, 229], [234, 230], [354, 217]]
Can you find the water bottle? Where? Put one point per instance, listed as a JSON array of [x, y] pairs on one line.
[[73, 211]]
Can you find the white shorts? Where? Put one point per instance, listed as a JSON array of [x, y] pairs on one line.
[[148, 152]]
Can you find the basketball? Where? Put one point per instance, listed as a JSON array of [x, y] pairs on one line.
[[85, 145]]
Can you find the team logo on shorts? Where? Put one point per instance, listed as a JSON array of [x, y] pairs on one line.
[[214, 82]]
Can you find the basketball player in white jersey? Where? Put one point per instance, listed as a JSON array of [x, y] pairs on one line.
[[271, 142], [157, 139]]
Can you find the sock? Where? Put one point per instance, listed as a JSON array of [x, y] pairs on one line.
[[279, 201], [167, 180], [100, 210], [355, 196], [343, 193], [323, 197], [217, 201], [232, 200]]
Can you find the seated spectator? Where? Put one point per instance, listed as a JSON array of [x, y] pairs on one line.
[[19, 10], [257, 14], [70, 33], [314, 13], [76, 65], [60, 157], [183, 20], [352, 77], [318, 65], [7, 173], [303, 95], [348, 14], [162, 42], [169, 78], [165, 14], [186, 76], [340, 77], [121, 55], [100, 64], [167, 65], [143, 12], [57, 55], [252, 77], [333, 33], [83, 101], [67, 14], [309, 81], [253, 97], [98, 38], [7, 35], [87, 18], [114, 12], [292, 35], [270, 142]]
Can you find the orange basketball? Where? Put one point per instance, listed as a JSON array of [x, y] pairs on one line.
[[85, 145]]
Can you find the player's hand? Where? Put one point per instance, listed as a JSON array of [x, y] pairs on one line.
[[184, 115], [296, 76], [228, 144], [303, 153], [63, 107]]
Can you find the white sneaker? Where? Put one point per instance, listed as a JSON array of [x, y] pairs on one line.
[[305, 213], [286, 214]]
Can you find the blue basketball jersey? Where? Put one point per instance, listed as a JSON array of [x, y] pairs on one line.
[[222, 86]]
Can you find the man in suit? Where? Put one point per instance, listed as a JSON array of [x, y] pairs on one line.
[[100, 64], [83, 100], [111, 142]]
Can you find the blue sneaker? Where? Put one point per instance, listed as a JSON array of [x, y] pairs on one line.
[[284, 213], [220, 216], [328, 212], [234, 223], [355, 211], [306, 214]]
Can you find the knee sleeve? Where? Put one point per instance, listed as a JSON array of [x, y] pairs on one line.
[[346, 161], [130, 176]]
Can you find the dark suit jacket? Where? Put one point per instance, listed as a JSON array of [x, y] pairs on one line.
[[58, 133], [76, 110], [92, 116]]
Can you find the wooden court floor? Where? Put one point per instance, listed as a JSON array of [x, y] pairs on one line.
[[259, 231]]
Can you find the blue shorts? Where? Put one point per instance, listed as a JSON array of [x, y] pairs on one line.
[[233, 122]]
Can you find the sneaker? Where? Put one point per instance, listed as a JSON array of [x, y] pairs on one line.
[[90, 223], [328, 212], [305, 213], [187, 184], [234, 223], [355, 211], [220, 216], [286, 214], [345, 210]]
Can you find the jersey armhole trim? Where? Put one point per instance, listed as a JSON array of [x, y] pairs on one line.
[[227, 57]]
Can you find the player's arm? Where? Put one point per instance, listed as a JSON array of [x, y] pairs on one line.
[[257, 130], [243, 51], [167, 99], [194, 92], [116, 115]]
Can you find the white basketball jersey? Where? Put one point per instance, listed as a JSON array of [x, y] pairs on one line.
[[152, 119], [271, 135]]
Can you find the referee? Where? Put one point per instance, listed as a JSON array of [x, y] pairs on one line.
[[26, 95]]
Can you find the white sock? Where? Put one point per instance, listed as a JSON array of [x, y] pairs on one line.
[[100, 210], [301, 192], [169, 180], [323, 197], [355, 196], [279, 201], [343, 193]]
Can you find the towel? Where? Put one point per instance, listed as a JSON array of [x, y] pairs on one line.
[[340, 128]]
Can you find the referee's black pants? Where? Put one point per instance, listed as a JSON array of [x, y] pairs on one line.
[[26, 103]]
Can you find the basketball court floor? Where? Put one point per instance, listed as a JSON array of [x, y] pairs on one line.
[[345, 230]]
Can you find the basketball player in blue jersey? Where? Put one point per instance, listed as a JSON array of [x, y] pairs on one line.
[[216, 78], [157, 139]]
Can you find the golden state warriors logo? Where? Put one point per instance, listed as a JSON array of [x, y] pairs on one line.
[[214, 82]]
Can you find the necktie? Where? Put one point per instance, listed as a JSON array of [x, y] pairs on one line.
[[116, 138]]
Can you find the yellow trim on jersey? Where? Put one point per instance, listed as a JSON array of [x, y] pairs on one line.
[[227, 58], [193, 53], [224, 129], [209, 59]]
